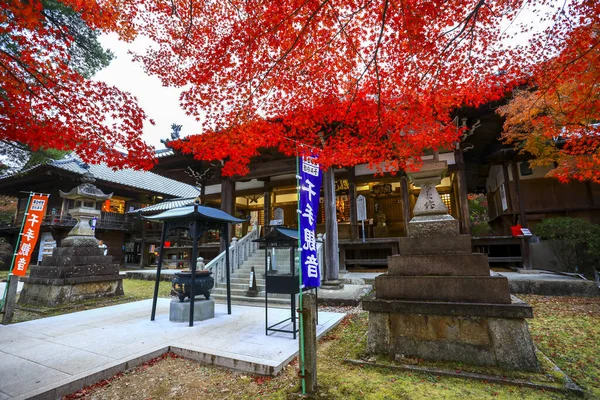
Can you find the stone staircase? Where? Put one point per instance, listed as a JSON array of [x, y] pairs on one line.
[[240, 281]]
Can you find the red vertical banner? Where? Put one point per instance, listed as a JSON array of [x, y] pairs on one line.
[[30, 232]]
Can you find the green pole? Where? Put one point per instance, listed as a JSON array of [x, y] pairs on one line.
[[12, 263], [301, 339]]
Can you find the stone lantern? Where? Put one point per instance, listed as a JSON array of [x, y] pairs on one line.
[[78, 268], [85, 197], [438, 300]]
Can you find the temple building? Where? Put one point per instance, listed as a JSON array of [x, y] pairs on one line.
[[119, 230]]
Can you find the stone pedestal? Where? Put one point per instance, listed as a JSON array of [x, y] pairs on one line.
[[72, 274], [180, 311], [438, 300]]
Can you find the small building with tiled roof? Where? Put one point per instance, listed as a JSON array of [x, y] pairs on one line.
[[125, 234]]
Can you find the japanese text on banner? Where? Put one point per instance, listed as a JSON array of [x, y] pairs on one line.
[[310, 192], [29, 235]]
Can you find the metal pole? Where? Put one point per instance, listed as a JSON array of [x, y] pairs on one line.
[[163, 237], [301, 340], [266, 292], [226, 239], [193, 266], [363, 229]]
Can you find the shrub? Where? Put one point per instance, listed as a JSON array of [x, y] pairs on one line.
[[574, 241]]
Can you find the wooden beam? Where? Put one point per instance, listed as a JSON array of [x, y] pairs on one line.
[[522, 214], [406, 211], [352, 196], [463, 202], [331, 238]]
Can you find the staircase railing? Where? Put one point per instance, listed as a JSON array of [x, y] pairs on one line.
[[239, 251]]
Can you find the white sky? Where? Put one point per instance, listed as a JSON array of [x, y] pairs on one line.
[[160, 103]]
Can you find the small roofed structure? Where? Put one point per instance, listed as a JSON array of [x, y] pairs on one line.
[[196, 219], [281, 277]]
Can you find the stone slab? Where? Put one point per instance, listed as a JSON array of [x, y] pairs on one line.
[[459, 244], [504, 343], [135, 339], [448, 265], [467, 289], [517, 309], [74, 271], [180, 311], [63, 292], [77, 252], [433, 226]]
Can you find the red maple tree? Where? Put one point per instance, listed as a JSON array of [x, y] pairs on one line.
[[48, 101], [558, 119], [359, 80]]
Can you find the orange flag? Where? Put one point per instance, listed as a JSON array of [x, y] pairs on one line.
[[30, 232]]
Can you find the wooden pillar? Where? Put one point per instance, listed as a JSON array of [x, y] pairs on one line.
[[406, 211], [522, 214], [143, 244], [11, 299], [463, 202], [309, 327], [161, 255], [507, 189], [267, 203], [227, 202], [352, 196], [332, 261]]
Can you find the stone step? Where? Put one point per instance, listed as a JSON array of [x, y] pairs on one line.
[[260, 300], [238, 286], [246, 281], [474, 264], [242, 292]]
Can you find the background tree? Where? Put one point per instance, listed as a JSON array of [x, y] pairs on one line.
[[48, 52], [558, 120]]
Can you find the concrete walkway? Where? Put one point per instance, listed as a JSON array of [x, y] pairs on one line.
[[51, 357]]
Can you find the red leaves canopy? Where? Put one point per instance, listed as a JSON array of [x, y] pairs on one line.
[[46, 102], [360, 80]]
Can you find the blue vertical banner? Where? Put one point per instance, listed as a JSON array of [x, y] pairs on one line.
[[310, 192]]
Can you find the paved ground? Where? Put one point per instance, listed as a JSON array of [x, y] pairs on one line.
[[54, 356]]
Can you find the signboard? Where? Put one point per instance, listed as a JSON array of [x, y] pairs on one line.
[[361, 208], [47, 245], [526, 232], [310, 192], [503, 198], [29, 233]]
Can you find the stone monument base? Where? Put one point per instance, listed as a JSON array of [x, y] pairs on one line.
[[72, 274], [180, 311], [479, 334], [52, 292]]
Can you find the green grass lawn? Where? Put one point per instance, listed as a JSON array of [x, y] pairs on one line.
[[567, 329], [134, 290]]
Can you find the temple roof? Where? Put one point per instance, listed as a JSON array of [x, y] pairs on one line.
[[201, 212], [280, 235], [166, 205], [144, 180]]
